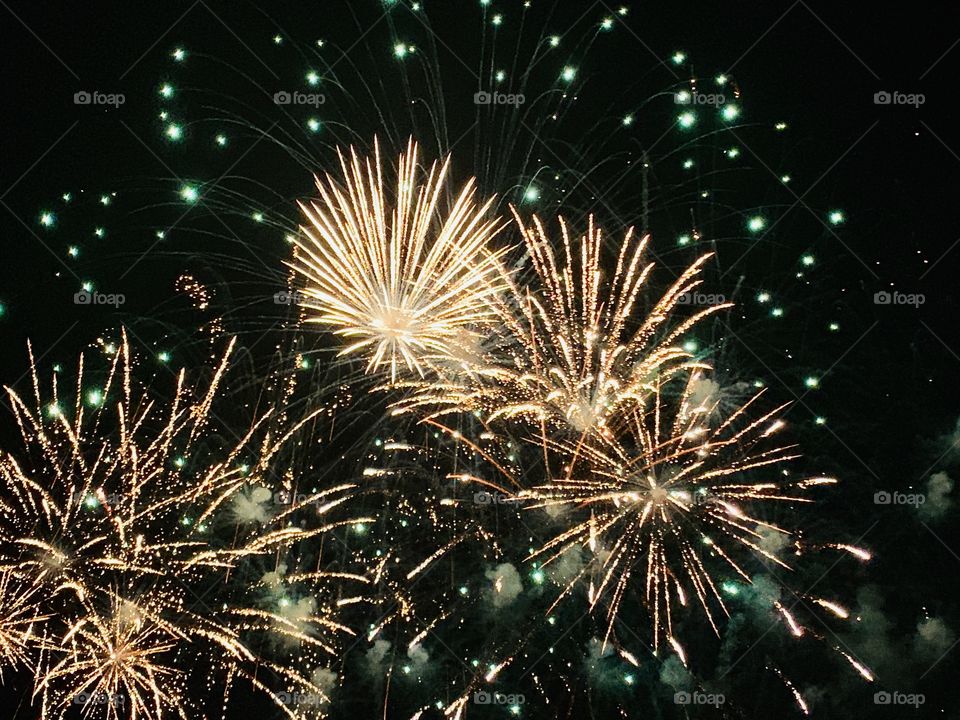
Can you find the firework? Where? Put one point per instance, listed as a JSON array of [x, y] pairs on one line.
[[401, 283], [574, 349], [665, 497], [114, 523]]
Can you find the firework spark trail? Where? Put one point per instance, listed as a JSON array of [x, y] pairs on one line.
[[110, 532], [570, 353], [386, 272]]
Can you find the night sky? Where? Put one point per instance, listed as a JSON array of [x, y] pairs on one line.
[[844, 276]]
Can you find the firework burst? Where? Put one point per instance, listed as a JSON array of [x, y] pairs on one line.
[[381, 266], [114, 522]]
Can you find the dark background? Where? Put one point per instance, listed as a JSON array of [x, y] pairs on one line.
[[889, 382]]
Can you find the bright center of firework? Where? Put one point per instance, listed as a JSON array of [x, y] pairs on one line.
[[730, 112], [686, 119]]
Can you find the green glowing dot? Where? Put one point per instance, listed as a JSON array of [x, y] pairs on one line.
[[360, 528], [174, 132], [88, 286], [400, 50], [730, 112], [313, 78], [763, 297], [679, 57], [277, 39], [756, 223], [721, 79], [53, 410], [733, 152], [683, 97], [531, 194], [164, 115], [500, 76], [179, 55], [257, 217], [811, 382], [837, 217], [189, 193], [607, 23], [623, 10], [808, 260], [514, 709], [629, 679], [48, 219], [730, 588], [160, 234], [90, 501], [568, 74], [785, 179], [314, 125], [66, 197], [105, 200], [820, 420], [3, 309], [690, 346], [99, 232], [538, 576], [166, 90], [781, 126], [683, 240], [73, 251], [463, 590], [687, 164], [776, 312], [163, 356], [554, 40], [628, 120], [180, 461], [497, 19], [833, 327], [221, 140], [94, 397], [687, 119]]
